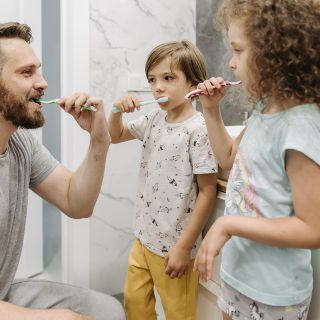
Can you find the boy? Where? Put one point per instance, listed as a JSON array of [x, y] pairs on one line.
[[177, 185]]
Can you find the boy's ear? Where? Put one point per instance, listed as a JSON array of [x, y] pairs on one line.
[[193, 86]]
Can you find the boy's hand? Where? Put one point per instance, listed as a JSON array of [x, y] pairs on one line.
[[128, 103], [177, 262], [213, 90], [210, 247]]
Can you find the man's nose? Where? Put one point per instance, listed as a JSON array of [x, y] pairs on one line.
[[40, 83]]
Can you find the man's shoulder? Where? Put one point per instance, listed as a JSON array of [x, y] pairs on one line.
[[24, 140]]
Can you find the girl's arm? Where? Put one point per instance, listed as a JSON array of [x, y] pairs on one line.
[[302, 230], [178, 258], [224, 147]]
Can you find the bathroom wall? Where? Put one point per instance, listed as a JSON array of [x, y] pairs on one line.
[[122, 33], [217, 53], [51, 132]]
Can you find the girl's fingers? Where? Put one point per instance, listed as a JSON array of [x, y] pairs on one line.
[[208, 267]]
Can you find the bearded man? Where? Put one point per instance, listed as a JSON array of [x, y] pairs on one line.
[[24, 164]]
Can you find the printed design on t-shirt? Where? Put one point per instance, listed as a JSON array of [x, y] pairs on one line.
[[232, 310], [303, 310], [255, 314], [241, 195], [167, 185]]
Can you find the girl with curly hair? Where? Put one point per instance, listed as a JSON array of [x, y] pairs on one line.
[[271, 218]]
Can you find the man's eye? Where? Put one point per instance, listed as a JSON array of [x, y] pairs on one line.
[[27, 72]]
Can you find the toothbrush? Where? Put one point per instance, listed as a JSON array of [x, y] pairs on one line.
[[197, 92], [116, 109], [88, 108]]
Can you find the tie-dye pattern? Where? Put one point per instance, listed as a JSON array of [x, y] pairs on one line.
[[241, 196]]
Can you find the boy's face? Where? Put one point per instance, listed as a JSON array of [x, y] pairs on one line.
[[20, 83], [171, 83], [240, 52]]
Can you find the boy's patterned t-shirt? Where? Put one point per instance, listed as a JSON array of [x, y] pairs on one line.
[[172, 154]]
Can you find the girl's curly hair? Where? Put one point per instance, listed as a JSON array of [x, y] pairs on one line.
[[284, 36]]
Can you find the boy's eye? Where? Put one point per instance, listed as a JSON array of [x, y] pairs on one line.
[[169, 77], [151, 80]]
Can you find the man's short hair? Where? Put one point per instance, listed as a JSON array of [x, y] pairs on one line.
[[11, 30]]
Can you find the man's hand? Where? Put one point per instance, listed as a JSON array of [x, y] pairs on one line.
[[93, 122]]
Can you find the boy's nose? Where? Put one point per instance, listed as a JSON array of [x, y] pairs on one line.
[[159, 86]]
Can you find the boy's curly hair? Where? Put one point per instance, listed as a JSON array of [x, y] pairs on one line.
[[284, 36]]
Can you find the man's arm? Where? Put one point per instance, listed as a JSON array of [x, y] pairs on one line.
[[75, 193], [9, 311]]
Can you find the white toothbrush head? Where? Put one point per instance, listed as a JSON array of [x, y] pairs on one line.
[[163, 99]]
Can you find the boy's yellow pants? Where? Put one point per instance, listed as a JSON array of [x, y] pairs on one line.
[[145, 271]]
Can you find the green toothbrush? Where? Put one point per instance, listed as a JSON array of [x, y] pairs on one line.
[[88, 108], [116, 109]]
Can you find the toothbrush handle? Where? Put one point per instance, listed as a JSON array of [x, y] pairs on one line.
[[116, 109], [89, 108]]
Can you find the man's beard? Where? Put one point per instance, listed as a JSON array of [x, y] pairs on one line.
[[16, 110]]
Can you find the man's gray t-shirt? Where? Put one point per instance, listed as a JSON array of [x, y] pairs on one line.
[[25, 164]]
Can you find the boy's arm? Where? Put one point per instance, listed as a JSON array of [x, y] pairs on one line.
[[207, 184], [118, 130], [178, 258]]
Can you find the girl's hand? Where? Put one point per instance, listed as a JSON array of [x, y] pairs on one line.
[[177, 262], [210, 248], [213, 90], [93, 122], [128, 103]]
